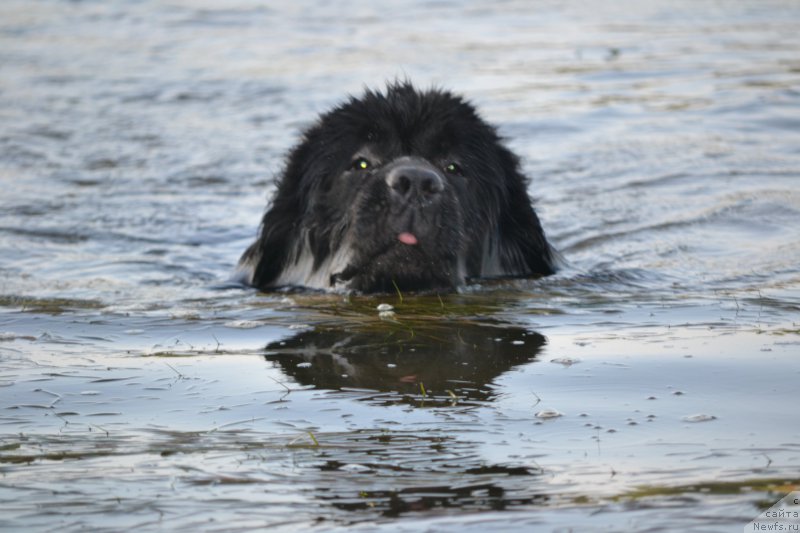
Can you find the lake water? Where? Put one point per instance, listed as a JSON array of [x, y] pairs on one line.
[[652, 384]]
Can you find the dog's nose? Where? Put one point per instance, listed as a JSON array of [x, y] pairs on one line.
[[411, 181]]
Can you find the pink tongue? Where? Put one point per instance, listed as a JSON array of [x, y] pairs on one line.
[[407, 238]]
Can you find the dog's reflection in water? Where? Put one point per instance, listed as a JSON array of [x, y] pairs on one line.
[[458, 361]]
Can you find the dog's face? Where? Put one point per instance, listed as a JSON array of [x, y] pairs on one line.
[[405, 190], [404, 216]]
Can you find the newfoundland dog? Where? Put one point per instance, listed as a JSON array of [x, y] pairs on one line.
[[398, 190]]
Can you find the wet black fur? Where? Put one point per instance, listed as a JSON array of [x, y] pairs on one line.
[[323, 203]]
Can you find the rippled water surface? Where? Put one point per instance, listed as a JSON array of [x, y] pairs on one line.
[[651, 384]]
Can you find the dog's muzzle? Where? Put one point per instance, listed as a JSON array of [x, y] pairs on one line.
[[414, 182]]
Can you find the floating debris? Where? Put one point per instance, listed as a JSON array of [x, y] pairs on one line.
[[242, 324], [566, 361], [355, 468], [385, 311], [699, 418], [548, 413], [185, 314]]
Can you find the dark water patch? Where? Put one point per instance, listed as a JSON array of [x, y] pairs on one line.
[[241, 17], [38, 209], [50, 133], [48, 234], [102, 164]]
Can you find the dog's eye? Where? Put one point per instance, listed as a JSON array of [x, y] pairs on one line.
[[452, 168], [360, 163]]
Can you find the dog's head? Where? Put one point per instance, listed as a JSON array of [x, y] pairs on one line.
[[402, 190]]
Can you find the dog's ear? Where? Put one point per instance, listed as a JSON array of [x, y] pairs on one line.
[[278, 240], [264, 261], [523, 248]]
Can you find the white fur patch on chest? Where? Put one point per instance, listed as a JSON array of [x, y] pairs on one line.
[[301, 272]]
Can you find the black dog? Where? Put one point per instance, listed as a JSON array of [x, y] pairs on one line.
[[402, 190]]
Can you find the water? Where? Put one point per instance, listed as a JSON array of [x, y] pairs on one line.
[[649, 385]]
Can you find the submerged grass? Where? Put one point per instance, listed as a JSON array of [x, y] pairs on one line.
[[416, 304], [48, 306], [767, 485], [412, 312]]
